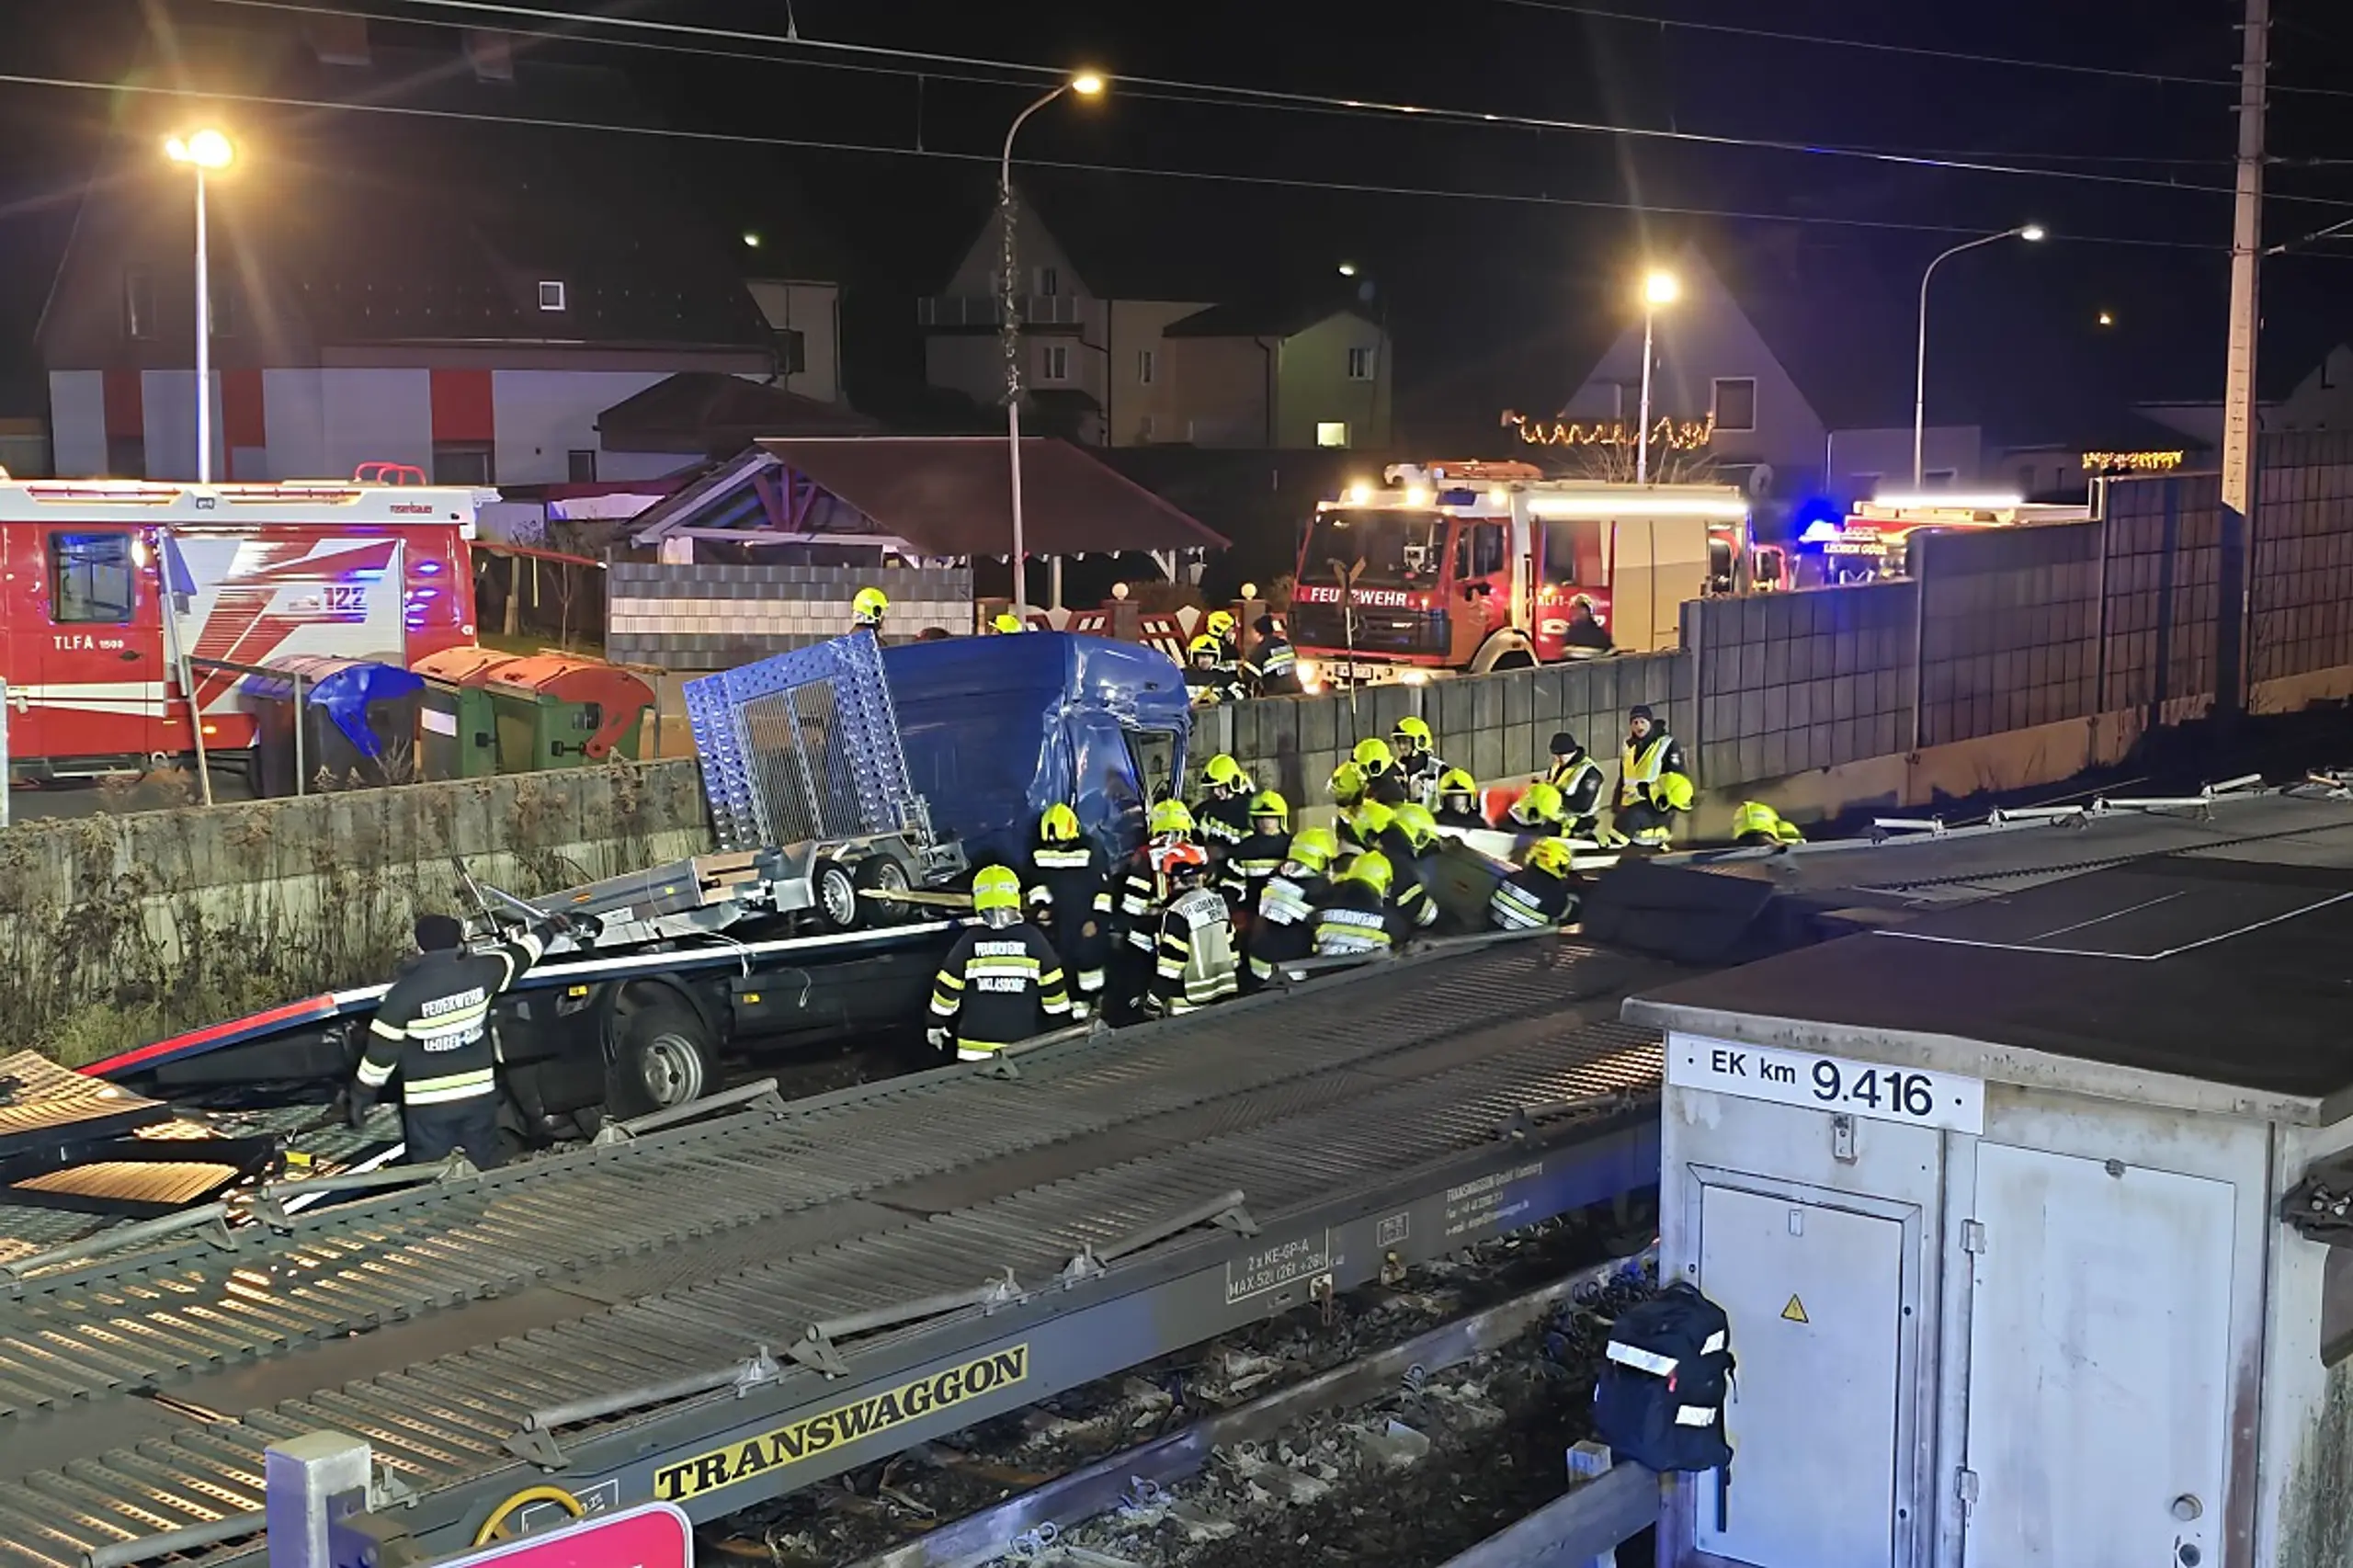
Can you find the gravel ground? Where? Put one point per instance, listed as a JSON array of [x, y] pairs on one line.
[[1500, 1427]]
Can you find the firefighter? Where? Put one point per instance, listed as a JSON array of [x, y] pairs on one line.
[[1220, 624], [1757, 823], [1347, 786], [1257, 858], [1208, 678], [1195, 959], [1284, 930], [1418, 767], [1541, 893], [1457, 802], [1652, 783], [433, 1028], [1141, 894], [1007, 624], [1579, 780], [1362, 826], [1383, 782], [1354, 920], [1535, 817], [1272, 669], [1413, 833], [1222, 814], [867, 610], [1002, 982], [1070, 897]]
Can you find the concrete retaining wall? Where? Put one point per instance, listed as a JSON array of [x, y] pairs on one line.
[[714, 617]]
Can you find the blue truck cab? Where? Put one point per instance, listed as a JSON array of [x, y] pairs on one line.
[[996, 729]]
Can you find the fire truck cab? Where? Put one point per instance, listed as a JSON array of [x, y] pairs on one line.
[[112, 589], [1483, 567]]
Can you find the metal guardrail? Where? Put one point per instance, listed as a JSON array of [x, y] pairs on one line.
[[1584, 1526]]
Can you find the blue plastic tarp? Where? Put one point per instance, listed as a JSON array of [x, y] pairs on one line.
[[341, 689]]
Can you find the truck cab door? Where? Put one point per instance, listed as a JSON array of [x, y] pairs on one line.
[[88, 639], [1480, 586]]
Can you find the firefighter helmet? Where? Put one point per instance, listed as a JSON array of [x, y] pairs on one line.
[[1059, 824], [1457, 781], [1008, 623], [1540, 806], [1347, 785], [1314, 847], [1171, 819], [1206, 645], [1370, 819], [1183, 864], [996, 896], [1220, 624], [1269, 804], [1675, 792], [1552, 856], [1412, 735], [1373, 754], [868, 608], [1420, 828], [1222, 772], [1373, 870]]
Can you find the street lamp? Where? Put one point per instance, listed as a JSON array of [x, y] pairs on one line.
[[1086, 84], [1659, 287], [205, 151], [2029, 233]]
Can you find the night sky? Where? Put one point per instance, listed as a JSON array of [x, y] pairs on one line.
[[1494, 303]]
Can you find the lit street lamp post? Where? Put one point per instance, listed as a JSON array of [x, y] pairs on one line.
[[1086, 84], [202, 151], [2027, 231], [1658, 289]]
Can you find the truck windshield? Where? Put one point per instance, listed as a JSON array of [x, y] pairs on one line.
[[1394, 549], [1573, 553], [1154, 753]]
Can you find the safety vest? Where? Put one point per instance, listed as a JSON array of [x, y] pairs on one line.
[[1197, 961], [1645, 765], [1572, 778]]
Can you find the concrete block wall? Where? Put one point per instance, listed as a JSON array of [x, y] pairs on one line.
[[2163, 577], [1802, 680], [2009, 634], [2302, 581], [716, 616]]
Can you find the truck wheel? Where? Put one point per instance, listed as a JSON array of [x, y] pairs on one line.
[[1515, 660], [877, 878], [836, 897], [663, 1056]]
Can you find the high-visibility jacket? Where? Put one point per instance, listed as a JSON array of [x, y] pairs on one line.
[[1531, 899], [1284, 929], [1409, 894], [1353, 920], [1272, 669], [1222, 821], [1197, 962], [1248, 865], [433, 1025], [1757, 822], [1001, 986], [1141, 893], [1579, 779], [1640, 768], [1070, 886]]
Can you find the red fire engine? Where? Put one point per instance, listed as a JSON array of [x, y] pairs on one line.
[[1482, 566], [1874, 539], [106, 587]]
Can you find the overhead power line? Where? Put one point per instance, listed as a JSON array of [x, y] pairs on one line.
[[1229, 96], [1917, 52], [1281, 182]]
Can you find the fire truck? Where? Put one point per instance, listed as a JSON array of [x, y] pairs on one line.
[[112, 590], [1874, 538], [1472, 568]]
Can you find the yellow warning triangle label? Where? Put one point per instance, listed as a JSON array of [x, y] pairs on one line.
[[1795, 1311]]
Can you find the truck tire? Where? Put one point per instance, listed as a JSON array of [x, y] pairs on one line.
[[879, 877], [837, 903], [663, 1055]]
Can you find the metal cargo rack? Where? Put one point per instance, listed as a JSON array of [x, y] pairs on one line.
[[608, 1319]]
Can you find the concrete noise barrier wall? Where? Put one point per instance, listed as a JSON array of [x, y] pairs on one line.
[[717, 617]]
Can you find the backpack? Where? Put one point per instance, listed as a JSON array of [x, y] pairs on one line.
[[1660, 1398]]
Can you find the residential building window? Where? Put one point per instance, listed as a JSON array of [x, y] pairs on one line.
[[551, 295], [1331, 432], [89, 579], [1736, 402], [1053, 362], [791, 351], [2328, 372], [137, 302], [581, 466], [463, 462], [1359, 364], [1147, 366], [1050, 281]]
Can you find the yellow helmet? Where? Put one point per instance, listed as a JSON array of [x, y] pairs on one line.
[[868, 608], [1373, 870], [1268, 803], [1007, 622], [1540, 807], [1373, 754], [1348, 784], [1370, 819], [995, 888], [1171, 819], [1457, 781], [1414, 820], [1675, 788], [1221, 623], [1059, 825], [1205, 643], [1222, 771], [1314, 847], [1551, 854], [1412, 735]]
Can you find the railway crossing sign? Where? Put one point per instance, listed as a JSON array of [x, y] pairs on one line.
[[652, 1535]]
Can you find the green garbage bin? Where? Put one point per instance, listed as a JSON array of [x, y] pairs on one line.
[[558, 712], [457, 728]]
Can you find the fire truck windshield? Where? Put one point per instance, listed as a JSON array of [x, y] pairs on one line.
[[1393, 547]]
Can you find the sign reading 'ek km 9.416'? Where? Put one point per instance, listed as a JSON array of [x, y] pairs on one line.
[[1828, 1083]]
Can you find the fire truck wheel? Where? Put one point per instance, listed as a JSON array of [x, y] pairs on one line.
[[879, 877], [836, 901], [1515, 660], [663, 1056]]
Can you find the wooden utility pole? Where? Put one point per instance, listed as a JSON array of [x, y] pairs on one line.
[[2239, 416]]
